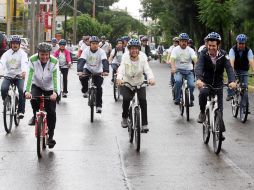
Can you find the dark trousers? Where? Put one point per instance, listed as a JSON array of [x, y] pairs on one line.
[[204, 92], [64, 72], [98, 81], [20, 84], [127, 97], [50, 108]]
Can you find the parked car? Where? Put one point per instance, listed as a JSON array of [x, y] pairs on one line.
[[3, 44]]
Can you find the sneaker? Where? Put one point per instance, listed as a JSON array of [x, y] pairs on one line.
[[145, 129], [64, 95], [32, 121], [98, 109], [176, 102], [223, 137], [124, 122], [85, 95], [201, 118], [229, 98], [20, 115], [191, 104], [51, 143]]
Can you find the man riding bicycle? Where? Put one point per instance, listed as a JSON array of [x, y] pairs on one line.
[[209, 70], [43, 78], [131, 70], [93, 60], [181, 66], [14, 62], [241, 57]]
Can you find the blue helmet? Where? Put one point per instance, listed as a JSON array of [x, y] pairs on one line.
[[15, 38], [183, 36], [213, 36], [119, 40], [94, 39], [133, 42], [62, 42], [126, 38], [241, 38], [54, 40]]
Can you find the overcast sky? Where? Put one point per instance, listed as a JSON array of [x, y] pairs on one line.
[[133, 6]]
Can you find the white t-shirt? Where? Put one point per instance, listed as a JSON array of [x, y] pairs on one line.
[[118, 57], [94, 60], [62, 59], [183, 57], [84, 46], [106, 47]]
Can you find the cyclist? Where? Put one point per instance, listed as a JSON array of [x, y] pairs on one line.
[[64, 58], [125, 42], [83, 44], [145, 48], [105, 46], [116, 56], [191, 45], [209, 70], [55, 45], [93, 61], [43, 78], [181, 62], [160, 49], [241, 57], [14, 62], [131, 70]]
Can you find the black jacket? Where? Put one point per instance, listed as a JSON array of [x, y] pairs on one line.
[[241, 62], [147, 50], [211, 73]]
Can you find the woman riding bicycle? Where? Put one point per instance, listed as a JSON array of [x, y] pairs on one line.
[[132, 70], [14, 62], [43, 78]]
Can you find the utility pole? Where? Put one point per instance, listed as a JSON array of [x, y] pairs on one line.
[[33, 24], [38, 22], [65, 18], [93, 8], [74, 41], [8, 32], [54, 19]]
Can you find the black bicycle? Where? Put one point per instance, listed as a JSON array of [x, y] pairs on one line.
[[134, 119], [185, 100], [240, 99], [116, 88], [10, 111]]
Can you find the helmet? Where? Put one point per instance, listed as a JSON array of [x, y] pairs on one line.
[[134, 36], [119, 40], [54, 40], [126, 38], [175, 39], [62, 42], [133, 42], [94, 39], [103, 37], [190, 41], [15, 38], [183, 36], [44, 47], [144, 38], [213, 36], [241, 38]]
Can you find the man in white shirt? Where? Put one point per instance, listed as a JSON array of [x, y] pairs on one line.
[[14, 62], [105, 46]]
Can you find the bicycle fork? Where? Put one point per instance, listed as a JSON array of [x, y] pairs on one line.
[[134, 106]]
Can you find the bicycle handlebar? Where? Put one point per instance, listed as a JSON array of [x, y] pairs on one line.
[[11, 78], [40, 97], [143, 84]]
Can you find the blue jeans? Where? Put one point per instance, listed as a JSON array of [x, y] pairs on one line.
[[242, 79], [20, 84], [188, 75]]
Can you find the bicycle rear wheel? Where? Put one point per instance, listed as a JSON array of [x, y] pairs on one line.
[[244, 107], [137, 129], [217, 133], [16, 118], [181, 103], [39, 137], [92, 104], [235, 105], [130, 127], [187, 104], [8, 114], [206, 128]]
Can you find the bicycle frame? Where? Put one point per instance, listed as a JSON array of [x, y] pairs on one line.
[[212, 105], [185, 87], [41, 114], [134, 104]]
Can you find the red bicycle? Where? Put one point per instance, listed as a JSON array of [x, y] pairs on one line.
[[41, 127]]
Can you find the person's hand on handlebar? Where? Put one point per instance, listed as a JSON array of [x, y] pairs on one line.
[[151, 82], [104, 74], [232, 85], [80, 74], [119, 82], [199, 84], [28, 95], [53, 96]]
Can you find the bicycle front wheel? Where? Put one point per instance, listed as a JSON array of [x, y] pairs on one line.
[[206, 128], [137, 129], [8, 114], [130, 127], [16, 119], [92, 104], [181, 103], [39, 137], [187, 104], [234, 105], [116, 90], [244, 107], [217, 132]]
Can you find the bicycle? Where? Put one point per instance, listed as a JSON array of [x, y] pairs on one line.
[[134, 119], [11, 104], [185, 99], [214, 122], [240, 99], [41, 127], [116, 88]]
